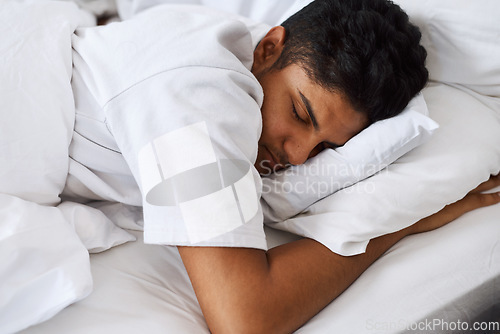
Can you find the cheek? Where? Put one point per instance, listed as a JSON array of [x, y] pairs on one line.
[[274, 126], [274, 117]]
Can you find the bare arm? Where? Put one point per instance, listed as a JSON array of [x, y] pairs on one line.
[[251, 291]]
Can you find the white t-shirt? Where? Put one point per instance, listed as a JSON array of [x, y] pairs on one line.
[[168, 117]]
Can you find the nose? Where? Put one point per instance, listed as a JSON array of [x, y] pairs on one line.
[[298, 150]]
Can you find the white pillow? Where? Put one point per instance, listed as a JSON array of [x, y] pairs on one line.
[[462, 153], [288, 192], [36, 100], [462, 41]]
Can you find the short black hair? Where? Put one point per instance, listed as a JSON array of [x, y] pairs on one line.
[[366, 49]]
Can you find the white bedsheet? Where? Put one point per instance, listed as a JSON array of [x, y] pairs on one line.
[[452, 273]]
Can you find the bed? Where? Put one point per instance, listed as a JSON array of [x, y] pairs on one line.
[[444, 281]]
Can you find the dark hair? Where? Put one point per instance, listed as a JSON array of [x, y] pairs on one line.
[[366, 49]]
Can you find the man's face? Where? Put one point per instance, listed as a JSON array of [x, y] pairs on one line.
[[300, 118]]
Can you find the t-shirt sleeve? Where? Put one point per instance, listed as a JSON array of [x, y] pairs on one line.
[[190, 138]]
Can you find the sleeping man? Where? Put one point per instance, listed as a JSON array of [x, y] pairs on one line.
[[180, 108]]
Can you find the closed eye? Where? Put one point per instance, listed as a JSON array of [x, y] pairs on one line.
[[296, 115]]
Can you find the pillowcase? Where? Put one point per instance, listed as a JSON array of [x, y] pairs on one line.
[[462, 153], [288, 192], [462, 41]]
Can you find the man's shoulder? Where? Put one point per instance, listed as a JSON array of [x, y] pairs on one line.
[[162, 39]]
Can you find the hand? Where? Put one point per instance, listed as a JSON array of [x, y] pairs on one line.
[[473, 200]]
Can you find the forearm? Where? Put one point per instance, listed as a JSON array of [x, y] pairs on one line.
[[275, 292], [243, 290], [309, 285]]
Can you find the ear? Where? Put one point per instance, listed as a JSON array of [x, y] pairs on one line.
[[269, 49]]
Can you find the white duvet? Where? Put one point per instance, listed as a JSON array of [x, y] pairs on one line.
[[43, 248]]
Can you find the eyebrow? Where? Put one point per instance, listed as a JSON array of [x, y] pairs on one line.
[[309, 111]]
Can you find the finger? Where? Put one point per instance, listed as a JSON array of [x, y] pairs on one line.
[[479, 200], [492, 182], [489, 199]]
